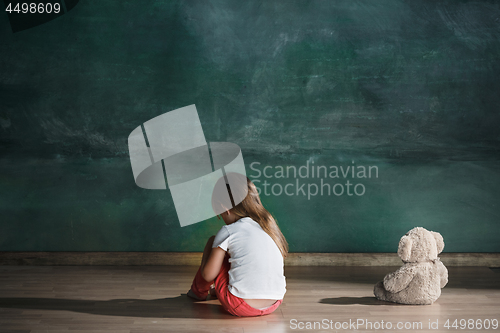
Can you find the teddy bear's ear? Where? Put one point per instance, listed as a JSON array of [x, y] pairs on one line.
[[439, 241], [404, 248]]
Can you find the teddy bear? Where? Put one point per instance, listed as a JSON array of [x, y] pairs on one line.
[[420, 279]]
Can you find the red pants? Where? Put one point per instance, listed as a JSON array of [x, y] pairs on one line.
[[232, 304]]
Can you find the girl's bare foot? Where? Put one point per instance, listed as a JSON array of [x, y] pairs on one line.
[[212, 293]]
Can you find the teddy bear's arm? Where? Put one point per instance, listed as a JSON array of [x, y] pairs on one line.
[[398, 280], [443, 272]]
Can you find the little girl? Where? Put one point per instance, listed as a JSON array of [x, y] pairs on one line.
[[245, 259]]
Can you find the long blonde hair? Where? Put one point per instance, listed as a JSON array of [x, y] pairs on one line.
[[250, 206]]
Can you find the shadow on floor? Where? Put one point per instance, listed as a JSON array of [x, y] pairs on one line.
[[174, 307], [355, 300]]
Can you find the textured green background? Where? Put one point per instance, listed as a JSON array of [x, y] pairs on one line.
[[411, 87]]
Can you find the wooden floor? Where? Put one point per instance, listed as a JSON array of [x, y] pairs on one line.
[[153, 299]]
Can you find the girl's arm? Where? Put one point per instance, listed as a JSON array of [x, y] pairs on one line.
[[213, 265]]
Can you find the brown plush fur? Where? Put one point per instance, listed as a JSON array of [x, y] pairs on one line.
[[420, 279]]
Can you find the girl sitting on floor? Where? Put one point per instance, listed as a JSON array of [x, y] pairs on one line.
[[245, 259]]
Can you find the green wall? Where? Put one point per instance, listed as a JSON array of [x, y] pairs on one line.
[[410, 88]]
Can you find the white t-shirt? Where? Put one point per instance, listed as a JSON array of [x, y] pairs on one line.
[[256, 261]]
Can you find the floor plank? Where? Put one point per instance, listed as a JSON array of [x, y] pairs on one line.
[[135, 299]]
